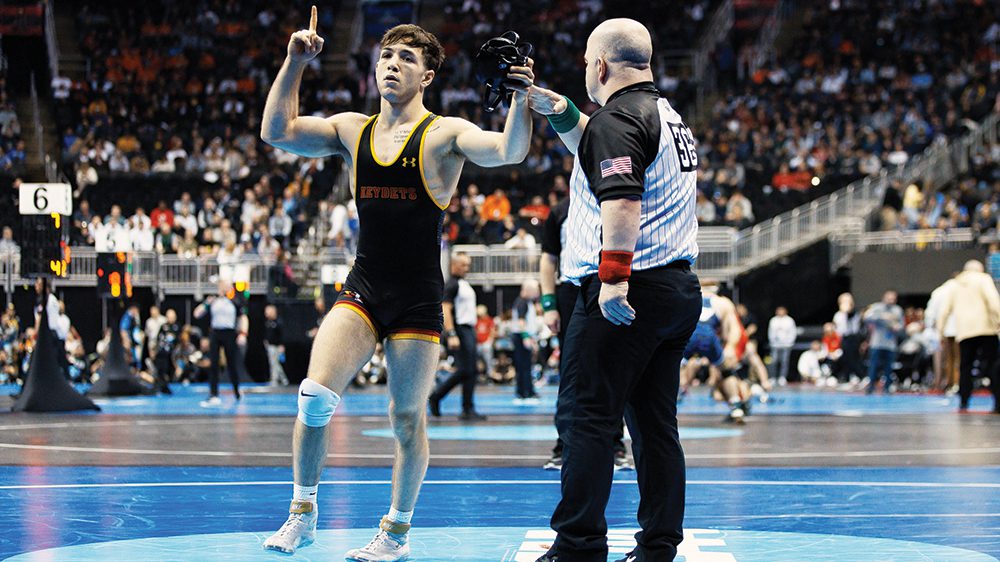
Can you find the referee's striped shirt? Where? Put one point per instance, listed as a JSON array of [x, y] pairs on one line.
[[636, 146]]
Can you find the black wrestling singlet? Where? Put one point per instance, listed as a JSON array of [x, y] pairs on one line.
[[399, 243]]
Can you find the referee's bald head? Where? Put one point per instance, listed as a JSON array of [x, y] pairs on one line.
[[621, 41]]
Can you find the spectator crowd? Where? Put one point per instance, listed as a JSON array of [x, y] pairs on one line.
[[972, 201], [175, 91], [12, 155]]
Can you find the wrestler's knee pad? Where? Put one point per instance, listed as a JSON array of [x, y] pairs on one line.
[[316, 403]]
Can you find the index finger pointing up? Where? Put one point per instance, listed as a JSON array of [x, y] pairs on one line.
[[312, 20]]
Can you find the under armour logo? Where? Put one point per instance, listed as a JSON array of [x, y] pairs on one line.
[[409, 162]]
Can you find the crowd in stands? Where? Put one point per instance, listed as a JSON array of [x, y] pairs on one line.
[[177, 90], [262, 219], [174, 98], [972, 201], [12, 156], [864, 86], [557, 31]]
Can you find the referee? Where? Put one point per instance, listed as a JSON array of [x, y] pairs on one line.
[[229, 323], [559, 296], [459, 314], [631, 240]]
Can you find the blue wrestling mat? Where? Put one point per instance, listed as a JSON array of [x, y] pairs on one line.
[[259, 400], [222, 514]]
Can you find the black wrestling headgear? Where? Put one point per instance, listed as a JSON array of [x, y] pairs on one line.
[[493, 62]]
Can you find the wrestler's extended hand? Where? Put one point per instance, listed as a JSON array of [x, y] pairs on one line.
[[614, 303], [520, 79], [545, 102], [305, 44]]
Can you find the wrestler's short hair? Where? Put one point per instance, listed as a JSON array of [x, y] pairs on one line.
[[416, 36]]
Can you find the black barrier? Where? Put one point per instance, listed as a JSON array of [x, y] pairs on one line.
[[116, 377], [46, 388]]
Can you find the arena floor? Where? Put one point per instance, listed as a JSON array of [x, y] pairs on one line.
[[813, 476]]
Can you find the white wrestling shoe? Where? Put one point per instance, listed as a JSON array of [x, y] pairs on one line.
[[299, 529], [385, 547]]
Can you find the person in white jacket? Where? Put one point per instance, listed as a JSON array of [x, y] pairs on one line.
[[946, 352], [976, 306], [781, 334]]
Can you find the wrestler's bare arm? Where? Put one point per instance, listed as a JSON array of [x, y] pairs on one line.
[[488, 148], [283, 127]]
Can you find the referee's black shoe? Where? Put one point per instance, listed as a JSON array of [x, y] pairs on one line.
[[634, 556], [471, 415], [549, 556]]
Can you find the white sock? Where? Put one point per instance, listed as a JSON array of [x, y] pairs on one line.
[[304, 493], [401, 517]]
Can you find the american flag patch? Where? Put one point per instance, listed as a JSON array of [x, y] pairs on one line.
[[620, 165]]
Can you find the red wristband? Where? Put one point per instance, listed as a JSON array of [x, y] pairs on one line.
[[616, 266]]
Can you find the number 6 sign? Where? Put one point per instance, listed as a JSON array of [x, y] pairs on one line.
[[45, 199]]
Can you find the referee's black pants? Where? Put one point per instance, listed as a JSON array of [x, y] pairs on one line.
[[465, 369], [850, 361], [638, 367], [522, 368], [983, 348], [567, 300], [225, 339]]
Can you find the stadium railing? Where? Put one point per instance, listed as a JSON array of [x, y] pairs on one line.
[[763, 51], [845, 244], [497, 265], [36, 121], [51, 42], [703, 70], [698, 60], [166, 274], [173, 274], [806, 225]]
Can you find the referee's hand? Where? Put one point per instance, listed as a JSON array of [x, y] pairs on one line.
[[545, 102], [552, 320], [614, 303]]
